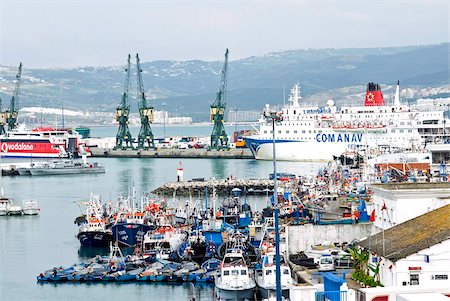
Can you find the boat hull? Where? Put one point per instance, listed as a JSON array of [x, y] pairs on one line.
[[64, 171], [265, 293], [229, 294], [94, 239], [32, 211], [128, 234]]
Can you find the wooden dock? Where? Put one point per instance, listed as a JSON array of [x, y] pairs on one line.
[[221, 187], [243, 153]]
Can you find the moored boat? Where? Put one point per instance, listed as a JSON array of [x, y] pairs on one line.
[[266, 276], [235, 280], [30, 207]]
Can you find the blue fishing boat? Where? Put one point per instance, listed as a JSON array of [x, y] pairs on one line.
[[129, 233]]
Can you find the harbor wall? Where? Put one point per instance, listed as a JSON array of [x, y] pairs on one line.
[[244, 153], [302, 237]]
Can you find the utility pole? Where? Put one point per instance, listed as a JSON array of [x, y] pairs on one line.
[[273, 117]]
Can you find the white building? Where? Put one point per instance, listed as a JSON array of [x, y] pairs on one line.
[[405, 201], [416, 252]]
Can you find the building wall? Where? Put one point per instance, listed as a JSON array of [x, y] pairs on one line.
[[399, 273], [300, 238], [404, 204]]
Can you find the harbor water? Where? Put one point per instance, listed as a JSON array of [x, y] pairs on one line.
[[32, 244]]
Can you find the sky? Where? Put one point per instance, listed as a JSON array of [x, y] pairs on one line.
[[71, 33]]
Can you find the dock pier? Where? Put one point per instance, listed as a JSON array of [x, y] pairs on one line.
[[203, 153], [221, 187]]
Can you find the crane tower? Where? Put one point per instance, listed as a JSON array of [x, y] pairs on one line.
[[123, 137], [145, 138], [219, 139], [11, 113]]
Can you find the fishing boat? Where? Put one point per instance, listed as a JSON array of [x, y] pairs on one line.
[[163, 243], [266, 276], [93, 231], [235, 280], [131, 223], [30, 207]]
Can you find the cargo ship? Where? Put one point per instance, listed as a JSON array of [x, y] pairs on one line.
[[43, 142]]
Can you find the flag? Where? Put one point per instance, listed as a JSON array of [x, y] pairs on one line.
[[372, 216], [384, 206]]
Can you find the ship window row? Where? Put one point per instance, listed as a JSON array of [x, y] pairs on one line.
[[296, 132]]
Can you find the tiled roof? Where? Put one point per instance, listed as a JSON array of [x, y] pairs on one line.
[[412, 236]]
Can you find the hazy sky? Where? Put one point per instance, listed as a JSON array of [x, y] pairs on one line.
[[68, 33]]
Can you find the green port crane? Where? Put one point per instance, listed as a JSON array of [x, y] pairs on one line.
[[13, 110], [219, 139], [2, 119], [145, 138], [123, 137]]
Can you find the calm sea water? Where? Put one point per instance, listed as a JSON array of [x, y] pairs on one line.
[[30, 245]]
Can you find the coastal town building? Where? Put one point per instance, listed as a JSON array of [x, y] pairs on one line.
[[395, 203], [413, 253]]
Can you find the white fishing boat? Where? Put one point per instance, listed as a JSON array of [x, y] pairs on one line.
[[235, 280], [266, 277], [30, 207], [163, 241]]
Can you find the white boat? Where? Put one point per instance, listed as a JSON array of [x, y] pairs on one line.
[[313, 133], [30, 207], [266, 277], [162, 242], [235, 280], [14, 209], [4, 202]]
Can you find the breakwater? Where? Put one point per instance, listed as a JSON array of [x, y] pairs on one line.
[[225, 186]]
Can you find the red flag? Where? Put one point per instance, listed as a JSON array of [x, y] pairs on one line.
[[372, 216], [384, 206]]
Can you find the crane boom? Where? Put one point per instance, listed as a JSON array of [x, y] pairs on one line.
[[123, 137], [145, 138], [13, 110], [219, 139]]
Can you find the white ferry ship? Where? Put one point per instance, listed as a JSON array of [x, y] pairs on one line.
[[312, 133]]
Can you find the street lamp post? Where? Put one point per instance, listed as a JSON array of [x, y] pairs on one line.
[[273, 117]]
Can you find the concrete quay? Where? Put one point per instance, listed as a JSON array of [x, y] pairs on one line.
[[200, 153]]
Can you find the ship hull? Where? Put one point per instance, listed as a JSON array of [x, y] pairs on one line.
[[65, 171], [295, 150], [128, 234]]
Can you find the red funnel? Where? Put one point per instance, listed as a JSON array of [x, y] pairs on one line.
[[374, 96]]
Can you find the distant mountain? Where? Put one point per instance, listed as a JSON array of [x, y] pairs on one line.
[[189, 87]]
